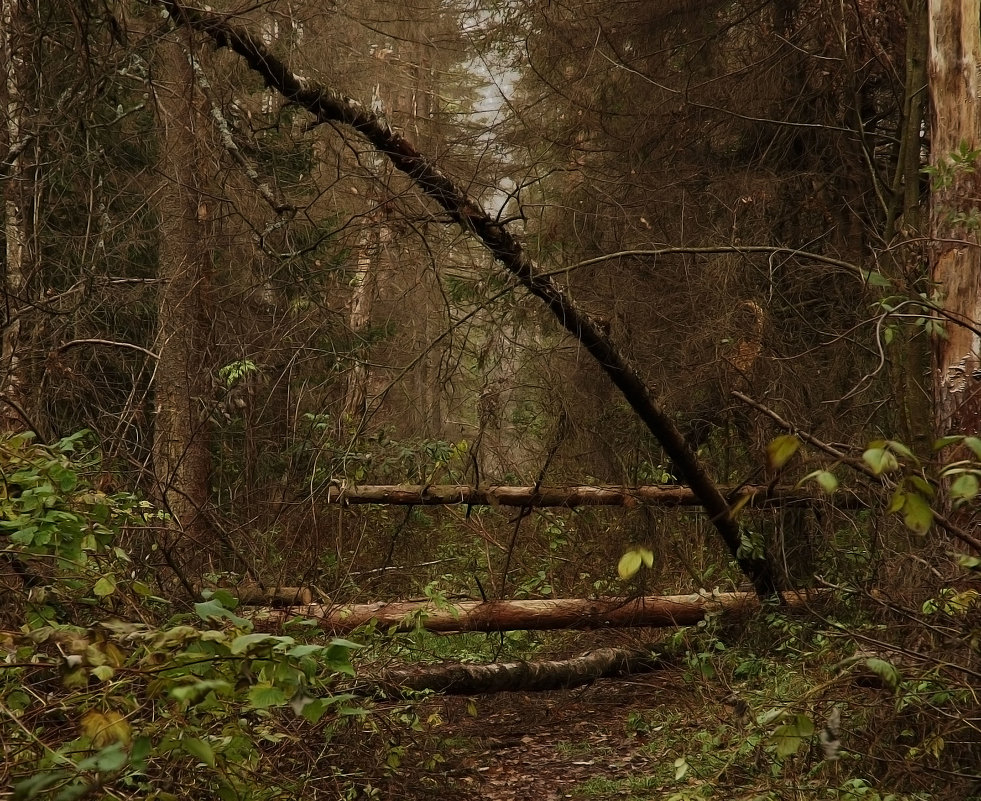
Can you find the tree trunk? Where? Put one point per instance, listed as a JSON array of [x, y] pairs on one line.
[[560, 613], [181, 444], [16, 195], [459, 679], [571, 497], [329, 105], [955, 131]]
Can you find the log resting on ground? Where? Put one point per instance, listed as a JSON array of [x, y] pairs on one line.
[[459, 679], [559, 613]]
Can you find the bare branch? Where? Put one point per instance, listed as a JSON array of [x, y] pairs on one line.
[[330, 106]]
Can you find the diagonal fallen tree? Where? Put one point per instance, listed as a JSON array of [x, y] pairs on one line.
[[328, 105]]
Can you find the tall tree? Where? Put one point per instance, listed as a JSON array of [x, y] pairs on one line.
[[955, 148], [15, 178], [182, 396]]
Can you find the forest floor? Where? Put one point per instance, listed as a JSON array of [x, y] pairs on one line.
[[617, 738]]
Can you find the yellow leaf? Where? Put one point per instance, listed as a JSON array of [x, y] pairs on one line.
[[105, 728], [779, 451], [629, 564]]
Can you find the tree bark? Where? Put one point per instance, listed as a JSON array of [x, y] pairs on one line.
[[459, 679], [181, 441], [560, 613], [16, 200], [955, 91], [329, 105], [571, 497]]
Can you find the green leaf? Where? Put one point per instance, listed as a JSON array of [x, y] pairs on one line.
[[965, 488], [974, 444], [825, 479], [647, 556], [880, 460], [244, 642], [901, 449], [790, 736], [105, 586], [884, 670], [969, 562], [779, 450], [313, 710], [262, 696], [199, 749], [629, 564], [875, 278], [945, 442], [340, 642], [212, 610], [917, 514], [299, 651]]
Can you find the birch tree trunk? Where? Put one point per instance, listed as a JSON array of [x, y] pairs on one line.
[[181, 444], [955, 91]]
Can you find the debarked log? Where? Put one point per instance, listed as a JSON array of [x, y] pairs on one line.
[[559, 613], [462, 679], [668, 495]]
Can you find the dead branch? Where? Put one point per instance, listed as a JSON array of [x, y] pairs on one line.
[[329, 105]]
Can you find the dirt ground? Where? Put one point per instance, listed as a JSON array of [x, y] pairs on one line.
[[592, 742]]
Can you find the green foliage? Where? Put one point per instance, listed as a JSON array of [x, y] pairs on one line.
[[632, 560], [231, 374], [959, 162], [105, 690]]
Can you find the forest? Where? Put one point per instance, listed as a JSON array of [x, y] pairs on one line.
[[490, 399]]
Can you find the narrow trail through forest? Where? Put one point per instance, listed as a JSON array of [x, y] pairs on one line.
[[582, 743]]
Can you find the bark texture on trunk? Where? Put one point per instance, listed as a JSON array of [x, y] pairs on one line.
[[329, 105], [571, 497], [460, 679], [181, 445], [560, 613], [16, 199], [955, 132]]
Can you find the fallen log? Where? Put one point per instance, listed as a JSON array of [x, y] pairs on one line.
[[559, 613], [654, 495], [461, 679]]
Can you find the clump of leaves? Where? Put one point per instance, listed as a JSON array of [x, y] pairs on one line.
[[105, 690]]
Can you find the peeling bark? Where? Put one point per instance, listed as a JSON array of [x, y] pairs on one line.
[[328, 105], [955, 92], [571, 497], [559, 613]]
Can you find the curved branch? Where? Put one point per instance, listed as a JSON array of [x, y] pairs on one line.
[[328, 105]]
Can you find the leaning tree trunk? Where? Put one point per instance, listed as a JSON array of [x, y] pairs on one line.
[[326, 104], [181, 442], [955, 131]]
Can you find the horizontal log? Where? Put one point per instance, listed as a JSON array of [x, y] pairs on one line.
[[654, 495], [559, 613], [250, 594], [464, 679]]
